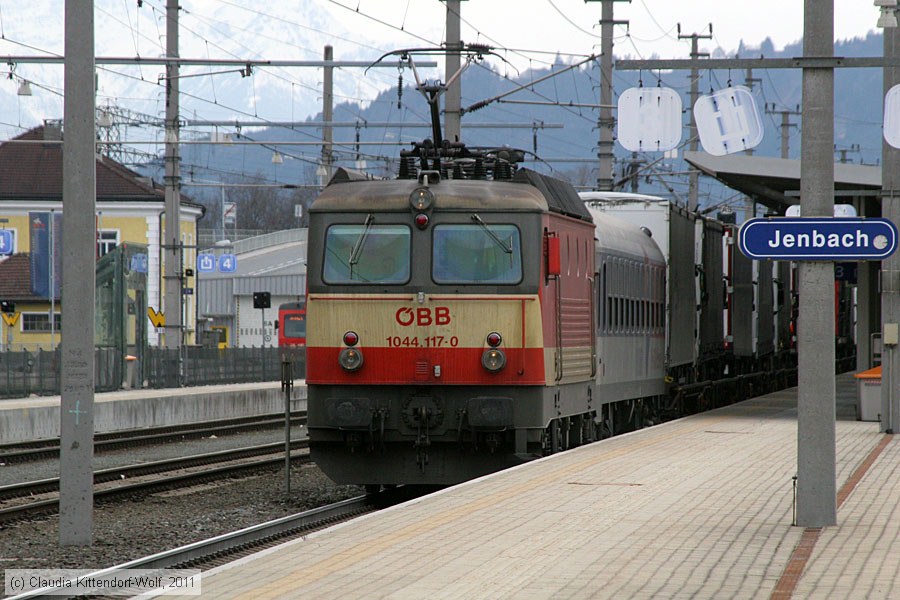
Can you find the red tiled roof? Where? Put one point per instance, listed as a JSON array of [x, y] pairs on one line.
[[15, 279], [33, 170]]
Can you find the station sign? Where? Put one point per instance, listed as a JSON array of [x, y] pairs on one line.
[[208, 263], [818, 238]]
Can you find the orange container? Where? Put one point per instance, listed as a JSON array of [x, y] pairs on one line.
[[868, 403]]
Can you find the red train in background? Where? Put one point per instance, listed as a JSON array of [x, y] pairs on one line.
[[291, 324]]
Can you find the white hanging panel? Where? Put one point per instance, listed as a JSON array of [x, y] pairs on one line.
[[728, 121], [649, 119]]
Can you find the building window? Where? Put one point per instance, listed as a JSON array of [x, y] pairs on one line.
[[107, 241], [40, 322]]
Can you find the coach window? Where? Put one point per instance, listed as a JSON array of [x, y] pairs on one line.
[[603, 296], [367, 253], [479, 253]]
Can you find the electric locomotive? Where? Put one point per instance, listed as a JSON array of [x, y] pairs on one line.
[[451, 326]]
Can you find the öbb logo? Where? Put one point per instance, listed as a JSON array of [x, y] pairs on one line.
[[423, 316]]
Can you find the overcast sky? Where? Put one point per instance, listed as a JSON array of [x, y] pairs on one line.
[[653, 23], [525, 32]]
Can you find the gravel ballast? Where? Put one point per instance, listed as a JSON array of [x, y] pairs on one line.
[[134, 528]]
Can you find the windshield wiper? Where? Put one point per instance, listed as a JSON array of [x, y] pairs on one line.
[[503, 246], [360, 242]]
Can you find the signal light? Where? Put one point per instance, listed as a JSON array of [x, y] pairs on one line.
[[351, 339], [494, 339], [421, 220]]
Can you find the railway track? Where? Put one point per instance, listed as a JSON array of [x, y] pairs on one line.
[[43, 497], [19, 452], [206, 554]]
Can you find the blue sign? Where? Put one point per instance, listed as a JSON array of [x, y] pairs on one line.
[[139, 263], [228, 263], [846, 271], [818, 238], [6, 242], [206, 263]]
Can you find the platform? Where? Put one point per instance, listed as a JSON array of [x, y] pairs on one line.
[[701, 507], [37, 418]]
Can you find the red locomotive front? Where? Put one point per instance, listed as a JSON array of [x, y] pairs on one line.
[[436, 345]]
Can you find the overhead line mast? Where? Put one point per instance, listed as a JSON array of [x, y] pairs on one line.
[[694, 177], [606, 123], [453, 100]]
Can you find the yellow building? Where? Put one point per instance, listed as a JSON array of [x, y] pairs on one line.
[[129, 210]]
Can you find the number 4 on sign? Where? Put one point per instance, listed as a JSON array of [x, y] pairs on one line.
[[228, 263]]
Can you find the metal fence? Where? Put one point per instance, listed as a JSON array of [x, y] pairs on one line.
[[210, 366], [25, 373], [37, 372]]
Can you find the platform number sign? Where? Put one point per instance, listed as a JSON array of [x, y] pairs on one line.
[[228, 263], [6, 242], [208, 263]]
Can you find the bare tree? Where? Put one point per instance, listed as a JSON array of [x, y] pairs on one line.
[[582, 177]]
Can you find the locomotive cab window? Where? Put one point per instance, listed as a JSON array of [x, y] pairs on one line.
[[478, 253], [367, 253], [294, 326]]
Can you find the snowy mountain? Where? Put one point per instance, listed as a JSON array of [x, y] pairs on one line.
[[551, 122], [213, 29]]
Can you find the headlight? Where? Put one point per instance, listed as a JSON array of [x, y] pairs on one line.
[[421, 199], [493, 359], [351, 359]]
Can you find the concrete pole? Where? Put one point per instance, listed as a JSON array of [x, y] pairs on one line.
[[607, 123], [76, 479], [694, 176], [785, 127], [816, 489], [785, 137], [453, 99], [890, 267], [328, 116], [172, 237]]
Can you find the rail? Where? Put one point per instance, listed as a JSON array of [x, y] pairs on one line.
[[207, 553]]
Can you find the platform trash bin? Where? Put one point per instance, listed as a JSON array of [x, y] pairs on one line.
[[129, 372], [868, 402]]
